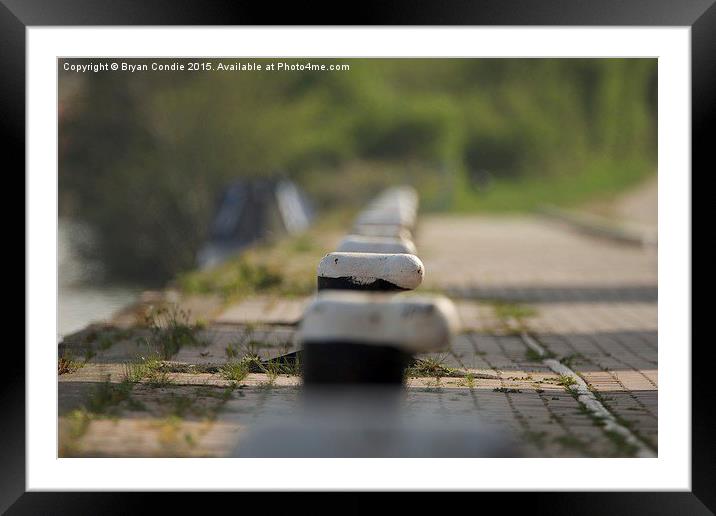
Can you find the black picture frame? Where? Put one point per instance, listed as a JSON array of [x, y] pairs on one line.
[[700, 15]]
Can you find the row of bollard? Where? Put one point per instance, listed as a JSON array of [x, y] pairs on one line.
[[371, 334], [358, 336]]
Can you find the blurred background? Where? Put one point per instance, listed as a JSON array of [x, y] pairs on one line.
[[155, 168]]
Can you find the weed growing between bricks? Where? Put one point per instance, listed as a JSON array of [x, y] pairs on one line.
[[532, 356], [622, 447], [103, 402], [105, 336], [87, 342], [149, 369], [109, 400], [176, 408], [512, 316], [170, 331], [66, 365], [505, 310], [247, 345], [237, 370], [573, 359], [566, 381], [265, 269], [469, 381], [434, 368], [604, 400], [243, 278]]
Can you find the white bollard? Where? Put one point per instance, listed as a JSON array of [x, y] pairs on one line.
[[387, 214], [394, 206], [356, 346], [360, 337], [382, 245], [370, 271], [382, 230]]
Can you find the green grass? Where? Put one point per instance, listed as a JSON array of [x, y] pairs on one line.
[[106, 398], [145, 368], [432, 367], [506, 310], [595, 182], [512, 316], [566, 381], [107, 337], [286, 268], [622, 447], [79, 421], [170, 330], [573, 359], [66, 365], [231, 351], [469, 380], [158, 379], [577, 128], [532, 356], [176, 408], [245, 275], [236, 371], [281, 268], [272, 370], [286, 365], [234, 279], [104, 401], [303, 244]]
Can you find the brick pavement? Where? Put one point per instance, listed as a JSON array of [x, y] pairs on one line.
[[590, 303]]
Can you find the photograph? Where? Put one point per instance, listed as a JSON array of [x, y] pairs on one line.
[[298, 257]]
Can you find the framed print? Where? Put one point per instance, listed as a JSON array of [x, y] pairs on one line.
[[417, 250]]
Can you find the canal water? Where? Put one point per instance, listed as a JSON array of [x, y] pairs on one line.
[[82, 297]]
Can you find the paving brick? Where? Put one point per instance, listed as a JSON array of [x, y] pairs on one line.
[[594, 307], [264, 310]]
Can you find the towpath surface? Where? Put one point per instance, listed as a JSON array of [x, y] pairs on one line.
[[559, 347]]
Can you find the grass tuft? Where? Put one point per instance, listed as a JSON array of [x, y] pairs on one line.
[[170, 331], [431, 367], [505, 310], [469, 380], [532, 356], [67, 365], [235, 371], [566, 380]]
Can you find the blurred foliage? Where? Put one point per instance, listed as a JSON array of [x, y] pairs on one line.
[[284, 268], [143, 156]]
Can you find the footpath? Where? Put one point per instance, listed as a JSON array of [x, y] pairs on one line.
[[557, 345]]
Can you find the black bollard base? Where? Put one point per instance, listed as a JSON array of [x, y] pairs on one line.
[[353, 363], [347, 283]]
